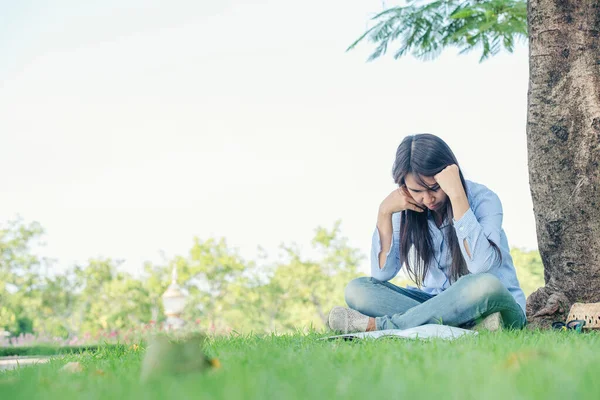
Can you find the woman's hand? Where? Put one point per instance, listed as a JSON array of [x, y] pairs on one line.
[[449, 181], [399, 200]]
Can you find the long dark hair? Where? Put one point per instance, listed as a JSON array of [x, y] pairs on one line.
[[426, 155]]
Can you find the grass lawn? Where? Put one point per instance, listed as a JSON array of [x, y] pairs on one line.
[[504, 365]]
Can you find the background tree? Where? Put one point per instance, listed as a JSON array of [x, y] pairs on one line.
[[317, 284], [530, 269], [20, 271], [264, 300], [282, 294], [109, 299], [563, 120], [208, 274], [294, 290], [55, 306]]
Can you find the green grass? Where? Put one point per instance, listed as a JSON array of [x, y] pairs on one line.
[[504, 365]]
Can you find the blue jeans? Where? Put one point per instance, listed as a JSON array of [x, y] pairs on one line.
[[470, 298]]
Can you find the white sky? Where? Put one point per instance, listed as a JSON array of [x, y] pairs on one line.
[[129, 127]]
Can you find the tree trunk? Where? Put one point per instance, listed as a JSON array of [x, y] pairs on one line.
[[563, 142]]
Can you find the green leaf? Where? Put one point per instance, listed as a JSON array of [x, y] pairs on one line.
[[424, 29]]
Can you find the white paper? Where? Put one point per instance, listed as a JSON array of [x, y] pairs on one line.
[[420, 332]]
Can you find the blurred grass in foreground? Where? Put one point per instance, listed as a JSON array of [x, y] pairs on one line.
[[502, 365]]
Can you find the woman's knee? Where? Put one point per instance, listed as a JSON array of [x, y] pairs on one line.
[[355, 293], [482, 286]]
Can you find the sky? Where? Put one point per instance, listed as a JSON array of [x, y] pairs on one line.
[[127, 128]]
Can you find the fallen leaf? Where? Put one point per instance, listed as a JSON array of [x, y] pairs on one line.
[[517, 359]]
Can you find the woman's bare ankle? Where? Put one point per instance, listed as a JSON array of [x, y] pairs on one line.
[[371, 325]]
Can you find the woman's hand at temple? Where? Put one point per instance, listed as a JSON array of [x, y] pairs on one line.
[[449, 181], [399, 200]]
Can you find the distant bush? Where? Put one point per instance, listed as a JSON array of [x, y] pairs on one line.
[[530, 269]]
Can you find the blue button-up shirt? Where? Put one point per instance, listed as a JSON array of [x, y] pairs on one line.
[[482, 221]]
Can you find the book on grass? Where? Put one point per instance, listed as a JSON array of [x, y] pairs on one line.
[[419, 332]]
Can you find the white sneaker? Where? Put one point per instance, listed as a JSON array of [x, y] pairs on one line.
[[347, 320], [492, 323]]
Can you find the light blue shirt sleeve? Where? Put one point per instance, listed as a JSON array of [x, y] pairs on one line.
[[476, 227], [392, 263]]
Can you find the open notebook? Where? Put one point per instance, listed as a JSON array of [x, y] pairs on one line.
[[420, 332]]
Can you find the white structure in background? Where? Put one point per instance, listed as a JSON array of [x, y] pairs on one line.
[[174, 303]]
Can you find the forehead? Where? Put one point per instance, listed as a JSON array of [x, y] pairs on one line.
[[412, 181]]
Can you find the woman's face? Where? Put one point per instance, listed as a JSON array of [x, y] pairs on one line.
[[433, 198]]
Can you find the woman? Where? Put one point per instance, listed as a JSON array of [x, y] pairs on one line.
[[448, 233]]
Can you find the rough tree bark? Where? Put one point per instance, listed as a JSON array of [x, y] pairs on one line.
[[563, 142]]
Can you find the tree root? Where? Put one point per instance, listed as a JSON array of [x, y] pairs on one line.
[[545, 306]]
